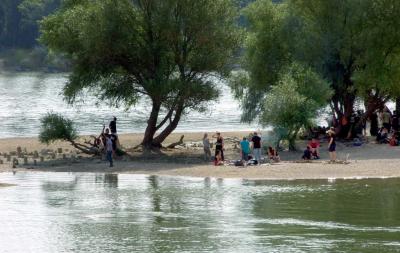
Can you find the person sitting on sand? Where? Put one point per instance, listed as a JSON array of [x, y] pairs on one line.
[[273, 155], [314, 145], [307, 154], [219, 145], [218, 158], [382, 136], [332, 145], [206, 147], [245, 148], [394, 139]]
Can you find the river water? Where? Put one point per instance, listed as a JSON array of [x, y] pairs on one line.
[[26, 97], [64, 212]]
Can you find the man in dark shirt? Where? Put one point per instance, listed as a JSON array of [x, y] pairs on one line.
[[256, 140], [307, 153], [113, 126]]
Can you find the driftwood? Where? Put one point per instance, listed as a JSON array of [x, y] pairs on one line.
[[89, 150], [180, 142]]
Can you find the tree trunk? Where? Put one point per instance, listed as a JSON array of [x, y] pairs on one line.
[[171, 127], [151, 128]]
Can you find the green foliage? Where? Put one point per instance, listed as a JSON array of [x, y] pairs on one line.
[[55, 127], [294, 102], [353, 44], [166, 50]]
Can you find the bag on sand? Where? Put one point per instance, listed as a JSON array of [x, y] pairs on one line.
[[239, 163]]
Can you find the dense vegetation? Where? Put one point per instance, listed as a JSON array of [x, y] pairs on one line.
[[354, 45]]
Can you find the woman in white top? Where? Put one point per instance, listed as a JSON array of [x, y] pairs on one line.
[[207, 148]]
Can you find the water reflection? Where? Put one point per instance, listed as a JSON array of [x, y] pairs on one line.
[[65, 212], [111, 180]]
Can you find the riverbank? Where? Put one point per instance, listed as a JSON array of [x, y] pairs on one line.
[[368, 161]]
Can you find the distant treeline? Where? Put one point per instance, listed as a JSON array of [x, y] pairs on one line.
[[20, 49], [19, 31], [19, 26]]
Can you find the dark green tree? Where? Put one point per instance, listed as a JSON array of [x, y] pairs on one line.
[[353, 44], [169, 52]]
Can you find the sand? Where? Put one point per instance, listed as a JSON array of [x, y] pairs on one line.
[[368, 161]]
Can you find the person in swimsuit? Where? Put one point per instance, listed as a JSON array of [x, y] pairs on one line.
[[219, 145]]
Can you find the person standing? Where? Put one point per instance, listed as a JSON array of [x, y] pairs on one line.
[[245, 148], [395, 122], [109, 146], [206, 147], [386, 119], [113, 129], [219, 145], [332, 145], [374, 124], [113, 126], [256, 140]]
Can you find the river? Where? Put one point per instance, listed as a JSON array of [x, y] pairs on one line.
[[86, 212], [26, 97]]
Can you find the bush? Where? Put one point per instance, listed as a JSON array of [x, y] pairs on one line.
[[55, 127]]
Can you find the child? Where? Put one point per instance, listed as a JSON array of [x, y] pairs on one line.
[[273, 155]]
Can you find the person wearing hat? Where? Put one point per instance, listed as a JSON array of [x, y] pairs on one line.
[[332, 144]]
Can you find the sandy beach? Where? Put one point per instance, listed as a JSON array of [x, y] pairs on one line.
[[368, 161]]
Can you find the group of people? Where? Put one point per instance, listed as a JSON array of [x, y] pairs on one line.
[[107, 142], [385, 126], [250, 147], [312, 150]]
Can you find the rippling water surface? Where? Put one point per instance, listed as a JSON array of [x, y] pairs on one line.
[[25, 97], [48, 212]]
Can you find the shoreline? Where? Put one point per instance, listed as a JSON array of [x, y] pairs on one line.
[[368, 161], [285, 171]]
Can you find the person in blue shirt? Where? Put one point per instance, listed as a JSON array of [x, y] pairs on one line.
[[245, 147]]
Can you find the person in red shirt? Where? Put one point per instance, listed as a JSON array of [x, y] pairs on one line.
[[314, 145]]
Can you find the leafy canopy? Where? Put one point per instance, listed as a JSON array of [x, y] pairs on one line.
[[168, 51], [125, 49], [353, 44]]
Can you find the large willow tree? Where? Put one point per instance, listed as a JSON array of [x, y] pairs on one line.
[[165, 51], [353, 44]]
